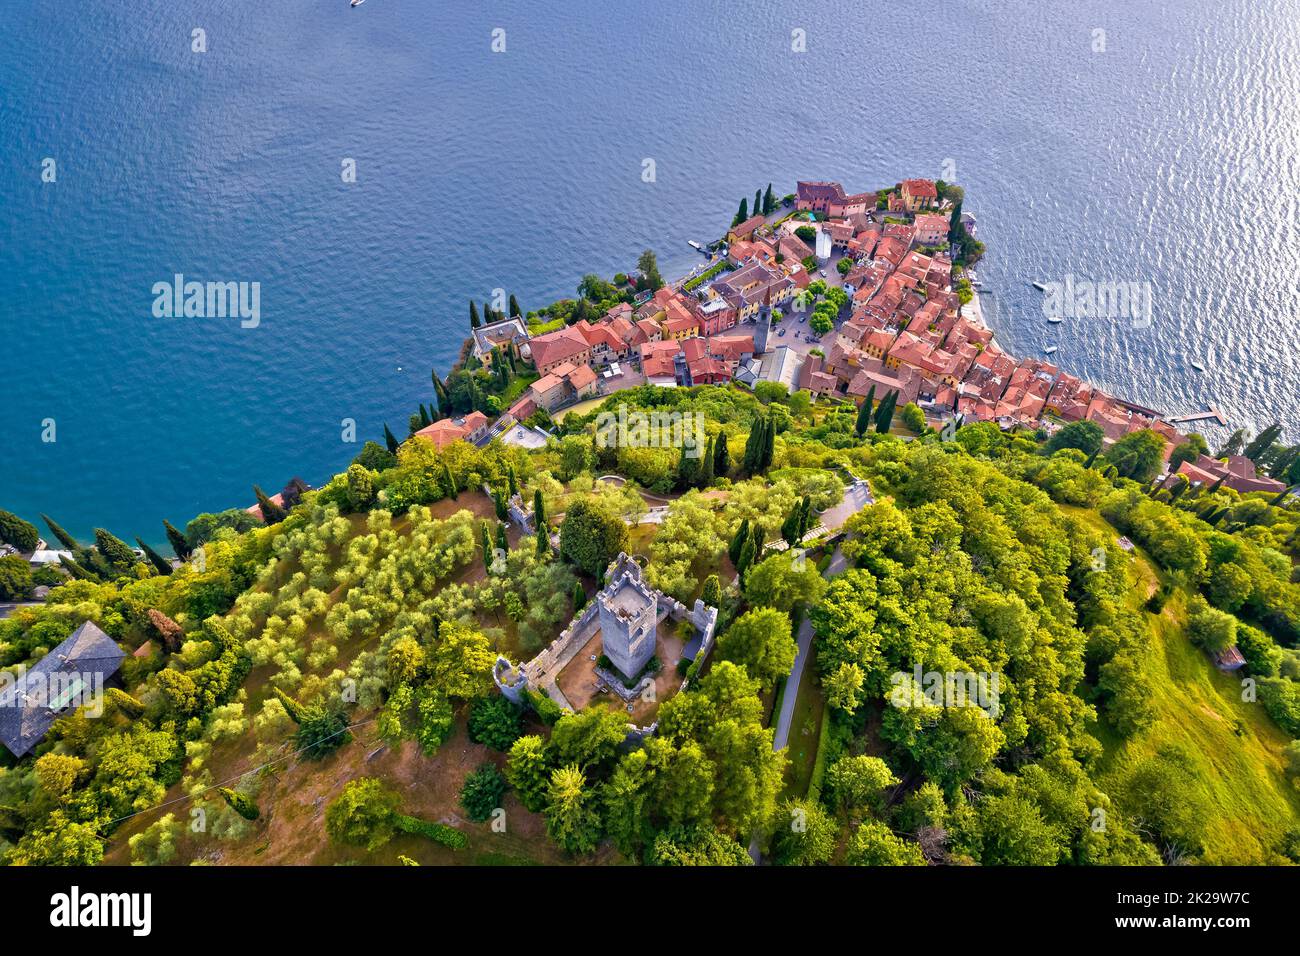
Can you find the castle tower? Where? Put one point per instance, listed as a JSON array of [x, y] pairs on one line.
[[629, 613]]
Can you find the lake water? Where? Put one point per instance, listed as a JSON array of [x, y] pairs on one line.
[[1162, 152]]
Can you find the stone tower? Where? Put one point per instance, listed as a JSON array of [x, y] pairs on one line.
[[628, 615]]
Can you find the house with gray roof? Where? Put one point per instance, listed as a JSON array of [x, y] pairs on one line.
[[71, 675]]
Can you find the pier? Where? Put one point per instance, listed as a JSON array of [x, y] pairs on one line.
[[1211, 414]]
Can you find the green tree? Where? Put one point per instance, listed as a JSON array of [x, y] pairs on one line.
[[68, 541], [474, 320], [721, 458], [742, 213], [1083, 435], [591, 535], [761, 642], [17, 532], [572, 816], [913, 418], [783, 581], [803, 834], [364, 814], [114, 551], [482, 792], [864, 413], [649, 267], [860, 781], [1138, 455], [15, 578], [361, 487], [872, 844], [495, 721], [528, 770], [1188, 451], [177, 540], [272, 513], [160, 564], [241, 803]]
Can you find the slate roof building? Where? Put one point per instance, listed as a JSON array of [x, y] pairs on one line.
[[72, 674]]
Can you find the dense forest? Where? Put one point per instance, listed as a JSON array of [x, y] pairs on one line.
[[314, 684]]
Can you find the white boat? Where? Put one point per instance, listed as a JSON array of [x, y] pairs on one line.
[[357, 3], [1196, 364], [1051, 349], [1054, 319], [1040, 287]]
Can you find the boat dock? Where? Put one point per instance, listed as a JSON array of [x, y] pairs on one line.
[[1211, 414]]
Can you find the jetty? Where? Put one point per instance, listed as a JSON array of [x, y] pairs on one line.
[[1210, 414]]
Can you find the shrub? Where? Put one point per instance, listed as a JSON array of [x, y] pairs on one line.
[[482, 792]]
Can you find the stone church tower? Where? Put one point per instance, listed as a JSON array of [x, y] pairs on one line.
[[629, 612]]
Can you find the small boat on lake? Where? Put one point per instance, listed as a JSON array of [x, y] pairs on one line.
[[1050, 350], [1054, 319], [1196, 364], [1039, 286]]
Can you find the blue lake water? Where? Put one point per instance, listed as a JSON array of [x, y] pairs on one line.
[[1168, 157]]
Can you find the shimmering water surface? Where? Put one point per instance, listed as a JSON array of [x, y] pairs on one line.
[[1169, 158]]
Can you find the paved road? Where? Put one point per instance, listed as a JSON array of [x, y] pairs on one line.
[[805, 636]]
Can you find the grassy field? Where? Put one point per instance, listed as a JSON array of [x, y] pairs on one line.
[[1236, 747], [805, 730]]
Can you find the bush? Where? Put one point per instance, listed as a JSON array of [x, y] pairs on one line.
[[495, 721], [482, 792]]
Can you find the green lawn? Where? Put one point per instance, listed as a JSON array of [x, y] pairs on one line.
[[805, 730]]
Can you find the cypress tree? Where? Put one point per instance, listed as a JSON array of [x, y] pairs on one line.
[[712, 593], [758, 535], [769, 201], [177, 541], [579, 597], [291, 706], [738, 541], [65, 539], [543, 541], [1217, 485], [271, 512], [758, 201], [390, 439], [485, 540], [1262, 443], [885, 414], [864, 413], [742, 213], [1281, 496], [686, 470], [721, 458], [514, 305], [77, 571], [503, 541], [449, 481], [539, 509], [790, 527], [706, 465], [746, 559], [769, 443], [473, 315], [114, 551], [161, 564], [241, 803]]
